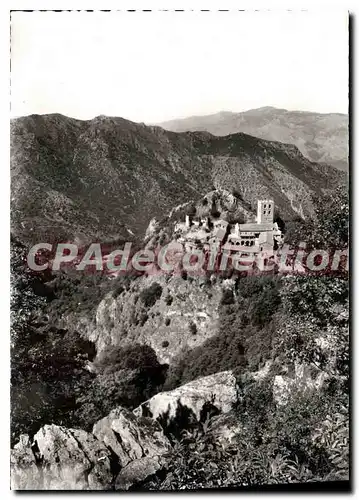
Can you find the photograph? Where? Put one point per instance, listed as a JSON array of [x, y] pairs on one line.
[[179, 250]]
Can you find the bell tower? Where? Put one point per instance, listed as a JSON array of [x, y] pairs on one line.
[[265, 211]]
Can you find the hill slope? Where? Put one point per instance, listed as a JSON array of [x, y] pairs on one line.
[[320, 137], [106, 178]]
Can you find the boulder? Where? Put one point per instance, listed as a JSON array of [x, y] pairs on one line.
[[138, 470], [122, 450], [25, 474], [217, 391], [139, 443], [118, 319], [72, 459]]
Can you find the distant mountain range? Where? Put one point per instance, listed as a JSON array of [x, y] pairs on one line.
[[106, 178], [319, 137]]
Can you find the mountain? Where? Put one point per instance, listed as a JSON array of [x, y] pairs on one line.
[[319, 137], [102, 178], [106, 178], [172, 381]]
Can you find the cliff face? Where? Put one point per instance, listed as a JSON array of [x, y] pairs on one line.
[[184, 316], [319, 137], [108, 177]]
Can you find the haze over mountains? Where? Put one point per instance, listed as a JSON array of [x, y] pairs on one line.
[[319, 137], [106, 178]]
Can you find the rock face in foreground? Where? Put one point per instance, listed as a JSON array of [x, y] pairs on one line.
[[218, 391], [125, 448], [121, 451], [139, 444]]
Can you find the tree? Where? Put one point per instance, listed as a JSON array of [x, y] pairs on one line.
[[47, 363]]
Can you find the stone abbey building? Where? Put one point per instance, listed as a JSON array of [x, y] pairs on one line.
[[263, 235]]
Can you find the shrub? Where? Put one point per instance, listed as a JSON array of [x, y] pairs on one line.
[[169, 299], [165, 343], [162, 239], [118, 290], [131, 357], [167, 321], [150, 295], [193, 328], [184, 274], [227, 297], [45, 378]]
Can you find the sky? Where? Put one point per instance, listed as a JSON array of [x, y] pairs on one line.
[[155, 66]]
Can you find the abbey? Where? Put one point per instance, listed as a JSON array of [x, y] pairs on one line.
[[251, 238], [263, 235]]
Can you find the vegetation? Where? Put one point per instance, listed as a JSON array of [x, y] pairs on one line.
[[150, 295], [289, 322], [50, 380], [272, 329], [47, 363], [301, 435], [125, 376]]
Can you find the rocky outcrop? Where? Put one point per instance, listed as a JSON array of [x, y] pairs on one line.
[[185, 316], [139, 444], [121, 451], [25, 474], [125, 447], [61, 459], [217, 392], [304, 378]]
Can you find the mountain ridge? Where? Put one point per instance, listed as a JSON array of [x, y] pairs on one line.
[[322, 137], [106, 178]]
